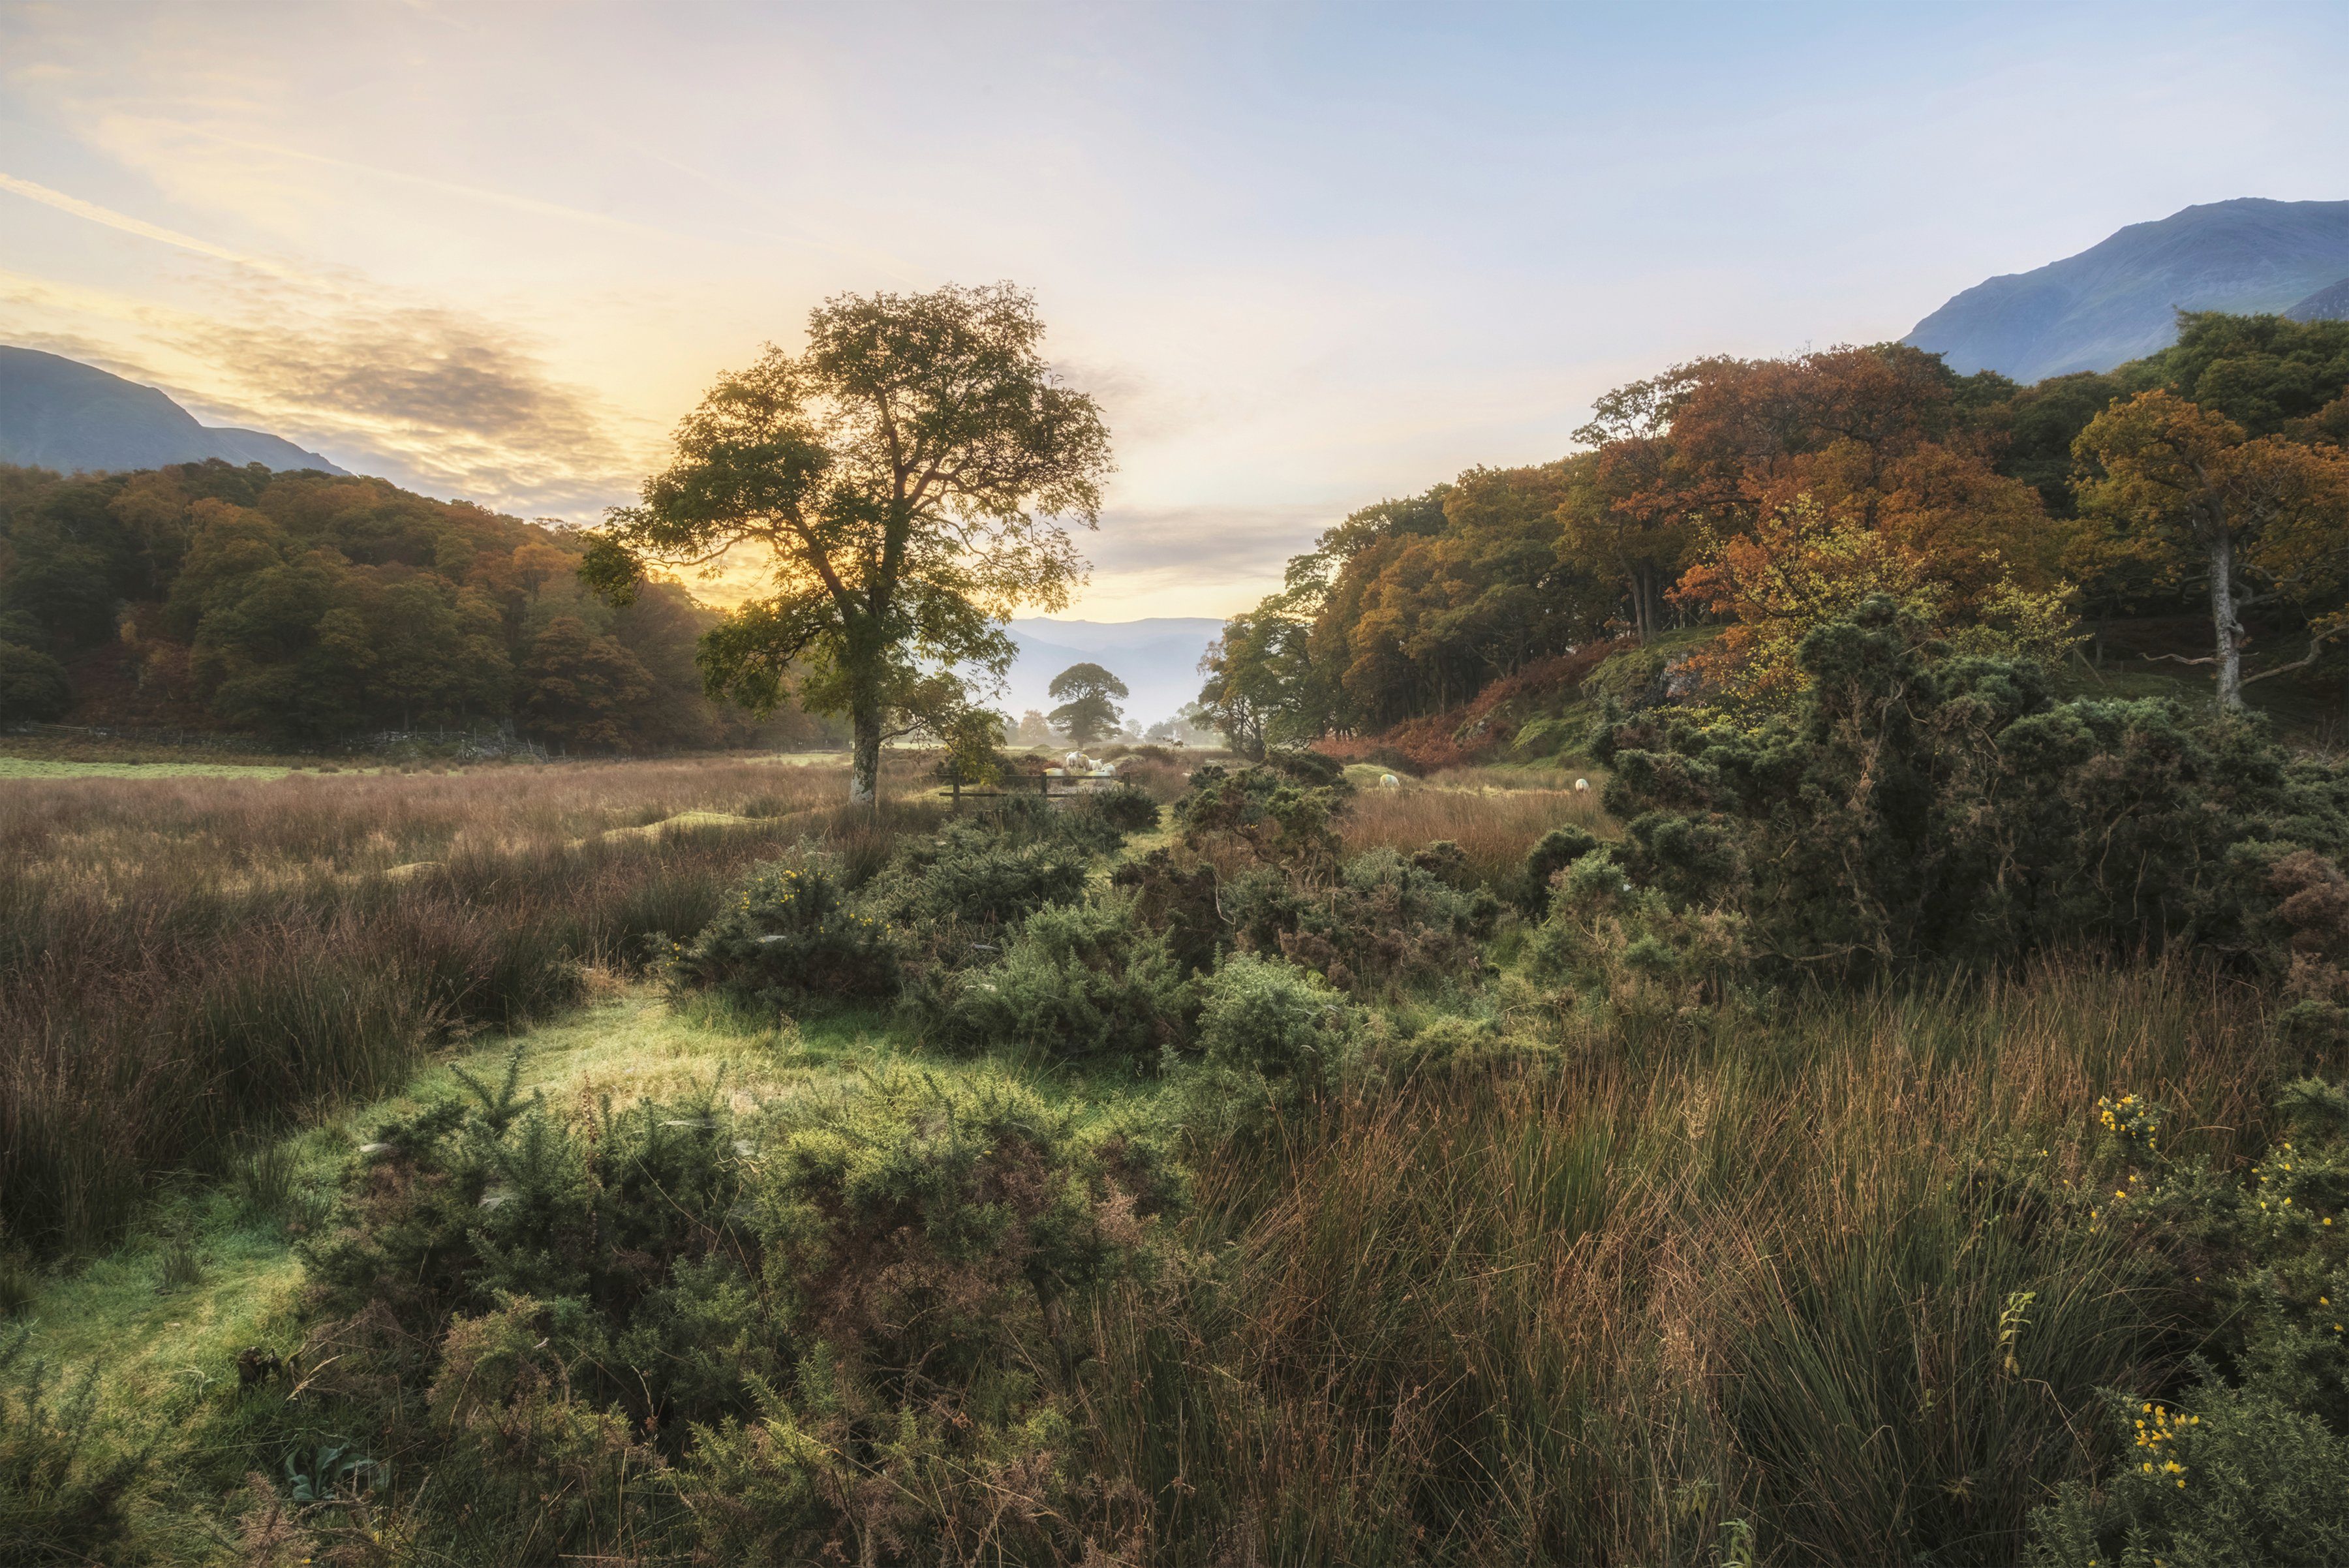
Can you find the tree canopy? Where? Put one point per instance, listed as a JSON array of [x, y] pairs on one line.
[[907, 474], [1088, 710]]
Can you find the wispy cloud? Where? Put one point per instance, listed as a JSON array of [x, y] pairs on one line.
[[63, 203]]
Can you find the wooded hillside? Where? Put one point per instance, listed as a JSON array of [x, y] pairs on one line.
[[311, 609]]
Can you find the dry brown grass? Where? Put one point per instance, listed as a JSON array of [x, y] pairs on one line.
[[1494, 815], [183, 958]]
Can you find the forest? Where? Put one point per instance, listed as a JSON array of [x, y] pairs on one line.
[[1738, 503], [310, 610]]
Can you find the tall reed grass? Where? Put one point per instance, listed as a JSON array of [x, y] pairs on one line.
[[184, 959], [1746, 1295]]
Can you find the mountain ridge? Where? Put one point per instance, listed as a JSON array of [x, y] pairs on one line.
[[59, 413], [2119, 299]]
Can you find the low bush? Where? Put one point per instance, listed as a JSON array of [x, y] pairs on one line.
[[2247, 1461], [755, 1336], [1270, 1027], [62, 1482], [787, 934], [1078, 980], [1384, 919]]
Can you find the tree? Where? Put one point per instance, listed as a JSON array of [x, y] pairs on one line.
[[32, 684], [1033, 730], [907, 474], [2264, 519], [579, 688], [1253, 671], [1086, 712], [1802, 566]]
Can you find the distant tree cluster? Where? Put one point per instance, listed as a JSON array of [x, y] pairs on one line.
[[1768, 497], [311, 607]]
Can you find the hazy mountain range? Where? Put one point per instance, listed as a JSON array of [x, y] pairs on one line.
[[1157, 657], [2119, 299], [62, 414]]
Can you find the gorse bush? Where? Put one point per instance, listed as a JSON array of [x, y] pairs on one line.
[[787, 934], [832, 1320], [1076, 981], [2246, 1460], [63, 1483], [1382, 917], [1951, 810], [982, 873]]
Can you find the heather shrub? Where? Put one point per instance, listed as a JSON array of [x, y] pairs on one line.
[[788, 935], [1078, 980]]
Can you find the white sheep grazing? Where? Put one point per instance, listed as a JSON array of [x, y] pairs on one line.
[[1078, 762], [1388, 780], [1582, 787]]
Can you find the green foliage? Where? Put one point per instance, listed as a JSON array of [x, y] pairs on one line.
[[1551, 854], [838, 1315], [63, 1484], [1383, 917], [1087, 711], [1075, 981], [2248, 1463], [1280, 816], [32, 685], [1268, 1024], [1915, 812], [787, 934], [1630, 949], [979, 874], [1125, 807]]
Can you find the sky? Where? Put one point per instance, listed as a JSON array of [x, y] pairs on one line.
[[1306, 256]]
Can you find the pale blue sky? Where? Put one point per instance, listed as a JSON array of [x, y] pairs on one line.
[[1307, 255]]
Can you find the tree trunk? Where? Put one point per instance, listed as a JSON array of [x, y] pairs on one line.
[[864, 751], [2227, 630]]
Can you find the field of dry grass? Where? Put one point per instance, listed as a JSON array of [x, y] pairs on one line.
[[1494, 814], [185, 960]]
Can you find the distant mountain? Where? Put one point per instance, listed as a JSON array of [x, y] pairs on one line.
[[2119, 299], [2325, 304], [61, 414], [1157, 657]]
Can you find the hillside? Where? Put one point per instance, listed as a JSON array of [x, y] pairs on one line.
[[2119, 299], [316, 610], [61, 414]]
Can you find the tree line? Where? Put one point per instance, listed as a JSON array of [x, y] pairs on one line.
[[1764, 497], [310, 607]]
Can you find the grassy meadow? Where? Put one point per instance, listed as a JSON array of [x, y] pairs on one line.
[[1527, 1279]]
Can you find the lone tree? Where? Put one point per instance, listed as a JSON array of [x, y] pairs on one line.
[[1086, 712], [910, 473]]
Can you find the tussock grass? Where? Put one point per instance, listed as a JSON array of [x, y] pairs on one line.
[[186, 958], [1750, 1280]]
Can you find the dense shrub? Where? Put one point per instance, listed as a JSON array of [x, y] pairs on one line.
[[32, 685], [1267, 1022], [1279, 816], [982, 873], [1077, 981], [1125, 807], [1383, 917], [1553, 853], [756, 1335], [787, 934], [1916, 810], [2249, 1461], [1644, 958], [62, 1484]]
